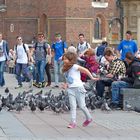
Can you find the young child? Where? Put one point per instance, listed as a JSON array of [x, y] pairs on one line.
[[75, 88]]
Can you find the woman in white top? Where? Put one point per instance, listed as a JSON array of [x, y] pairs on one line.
[[75, 88]]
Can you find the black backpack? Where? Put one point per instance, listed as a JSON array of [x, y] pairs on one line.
[[44, 47], [79, 44], [136, 75], [23, 47]]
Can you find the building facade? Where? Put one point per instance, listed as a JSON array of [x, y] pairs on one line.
[[131, 18], [97, 19]]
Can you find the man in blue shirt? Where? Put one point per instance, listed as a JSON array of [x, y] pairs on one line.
[[58, 48], [127, 45]]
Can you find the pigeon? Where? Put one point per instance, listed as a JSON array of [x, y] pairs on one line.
[[0, 103], [19, 107], [0, 108], [33, 107], [6, 90], [137, 109], [105, 107], [128, 107]]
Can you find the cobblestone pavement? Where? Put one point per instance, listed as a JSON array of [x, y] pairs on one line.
[[116, 125]]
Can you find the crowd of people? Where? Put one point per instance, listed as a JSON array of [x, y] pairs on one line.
[[77, 65]]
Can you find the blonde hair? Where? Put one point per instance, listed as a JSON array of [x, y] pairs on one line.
[[89, 52]]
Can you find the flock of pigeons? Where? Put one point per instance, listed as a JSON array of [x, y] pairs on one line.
[[48, 101], [36, 101], [57, 103]]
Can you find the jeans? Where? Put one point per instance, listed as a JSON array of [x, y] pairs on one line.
[[21, 69], [116, 86], [77, 93], [57, 66], [100, 86], [40, 69], [2, 81]]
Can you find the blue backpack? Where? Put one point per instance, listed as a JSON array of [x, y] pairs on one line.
[[100, 50]]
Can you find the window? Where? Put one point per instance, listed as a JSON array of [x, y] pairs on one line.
[[2, 2], [97, 29], [100, 3]]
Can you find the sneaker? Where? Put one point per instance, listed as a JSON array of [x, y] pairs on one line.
[[48, 84], [19, 86], [35, 84], [39, 85], [87, 122], [43, 84], [71, 125]]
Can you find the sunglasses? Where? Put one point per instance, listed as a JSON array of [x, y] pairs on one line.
[[19, 39]]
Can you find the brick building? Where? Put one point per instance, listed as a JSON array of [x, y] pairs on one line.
[[97, 19], [131, 17]]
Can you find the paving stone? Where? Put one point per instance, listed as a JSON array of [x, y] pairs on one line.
[[47, 125]]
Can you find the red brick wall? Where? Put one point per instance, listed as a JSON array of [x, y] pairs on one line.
[[69, 17], [75, 27], [57, 26], [83, 15], [78, 8]]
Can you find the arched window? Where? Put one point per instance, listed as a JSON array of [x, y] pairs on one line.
[[97, 29], [2, 2]]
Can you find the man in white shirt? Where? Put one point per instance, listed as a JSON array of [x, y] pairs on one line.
[[82, 45], [81, 48], [22, 54]]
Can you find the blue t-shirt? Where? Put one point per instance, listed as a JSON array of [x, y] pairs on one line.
[[127, 46], [58, 48]]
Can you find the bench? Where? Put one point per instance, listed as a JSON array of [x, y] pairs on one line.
[[131, 98]]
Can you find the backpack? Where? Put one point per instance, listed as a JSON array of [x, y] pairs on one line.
[[24, 50], [43, 47], [100, 50], [23, 47], [78, 46], [136, 75]]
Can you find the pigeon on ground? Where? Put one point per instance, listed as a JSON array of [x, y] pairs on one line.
[[6, 90]]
